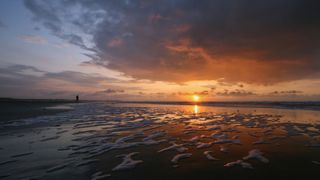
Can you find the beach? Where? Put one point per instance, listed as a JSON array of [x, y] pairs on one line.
[[102, 140]]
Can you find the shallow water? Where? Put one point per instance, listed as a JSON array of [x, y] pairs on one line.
[[149, 141]]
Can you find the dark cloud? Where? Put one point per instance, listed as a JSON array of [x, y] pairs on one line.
[[78, 77], [222, 82], [286, 92], [110, 91], [177, 40], [28, 79], [236, 92], [59, 93], [13, 77], [202, 93], [49, 14], [18, 68]]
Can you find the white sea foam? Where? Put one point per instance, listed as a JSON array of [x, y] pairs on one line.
[[256, 154], [224, 149], [204, 136], [316, 162], [235, 137], [260, 141], [129, 137], [22, 154], [60, 107], [240, 163], [226, 141], [8, 162], [209, 156], [84, 132], [203, 145], [194, 139], [178, 157], [62, 131], [128, 162], [50, 138], [154, 135], [57, 168], [99, 175], [213, 127], [174, 146], [219, 136]]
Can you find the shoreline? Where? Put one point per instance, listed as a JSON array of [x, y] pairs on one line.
[[305, 105], [16, 109]]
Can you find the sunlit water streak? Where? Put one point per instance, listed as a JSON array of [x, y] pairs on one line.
[[196, 109]]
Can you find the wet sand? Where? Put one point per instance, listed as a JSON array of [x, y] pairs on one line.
[[13, 109], [148, 141]]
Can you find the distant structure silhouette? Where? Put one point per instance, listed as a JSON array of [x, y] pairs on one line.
[[77, 98]]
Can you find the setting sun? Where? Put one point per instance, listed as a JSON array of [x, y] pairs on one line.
[[195, 98]]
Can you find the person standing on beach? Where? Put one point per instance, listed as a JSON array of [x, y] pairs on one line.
[[77, 98]]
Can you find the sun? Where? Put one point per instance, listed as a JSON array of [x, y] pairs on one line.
[[195, 98]]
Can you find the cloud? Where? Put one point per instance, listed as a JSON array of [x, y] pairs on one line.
[[14, 76], [21, 67], [289, 92], [202, 93], [260, 42], [33, 39], [58, 20], [23, 81], [77, 77], [110, 91], [236, 92]]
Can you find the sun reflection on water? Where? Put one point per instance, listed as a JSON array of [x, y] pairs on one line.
[[196, 109]]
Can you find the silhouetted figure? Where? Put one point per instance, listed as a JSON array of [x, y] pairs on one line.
[[77, 98]]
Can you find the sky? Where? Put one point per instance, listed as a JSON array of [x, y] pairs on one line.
[[160, 50]]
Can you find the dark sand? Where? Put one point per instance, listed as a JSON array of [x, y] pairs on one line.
[[13, 109]]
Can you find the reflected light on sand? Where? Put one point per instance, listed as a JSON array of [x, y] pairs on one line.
[[196, 109]]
